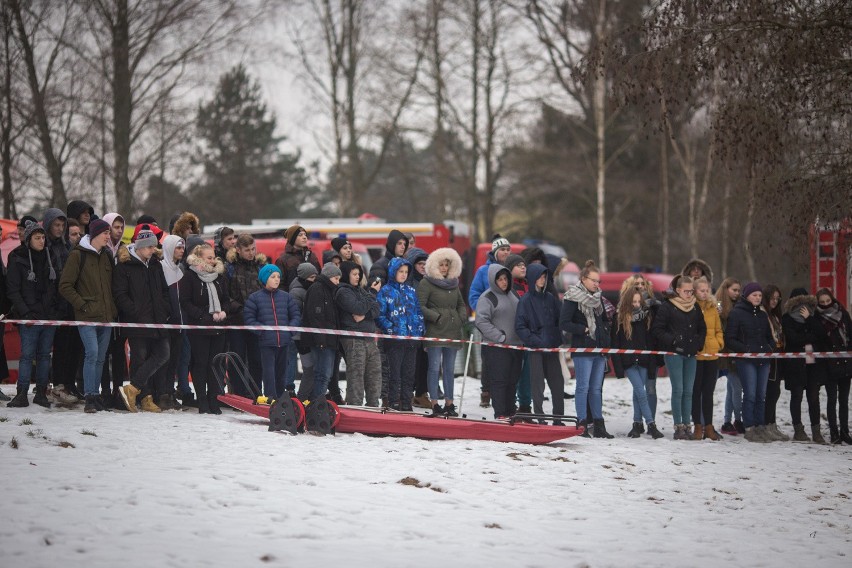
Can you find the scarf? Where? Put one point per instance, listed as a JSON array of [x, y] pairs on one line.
[[32, 276], [683, 305], [445, 283], [639, 314], [209, 276], [832, 318], [590, 304]]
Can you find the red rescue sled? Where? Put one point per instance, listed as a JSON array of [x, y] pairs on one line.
[[376, 422]]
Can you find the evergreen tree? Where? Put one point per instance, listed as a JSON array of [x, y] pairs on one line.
[[246, 174]]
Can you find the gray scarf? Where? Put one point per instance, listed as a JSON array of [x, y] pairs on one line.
[[445, 283], [833, 317], [213, 304], [590, 304]]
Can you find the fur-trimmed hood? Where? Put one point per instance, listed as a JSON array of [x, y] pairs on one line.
[[233, 256], [794, 304], [124, 255], [705, 268], [435, 259], [193, 260], [187, 223]]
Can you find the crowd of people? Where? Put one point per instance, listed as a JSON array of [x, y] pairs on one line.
[[74, 266]]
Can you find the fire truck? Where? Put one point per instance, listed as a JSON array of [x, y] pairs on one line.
[[831, 258]]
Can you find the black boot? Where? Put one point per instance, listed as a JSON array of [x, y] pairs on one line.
[[653, 432], [4, 397], [20, 399], [834, 433], [213, 403], [587, 429], [91, 404], [600, 430], [844, 436], [636, 431], [40, 397]]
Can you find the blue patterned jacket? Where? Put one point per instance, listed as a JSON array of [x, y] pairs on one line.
[[400, 308]]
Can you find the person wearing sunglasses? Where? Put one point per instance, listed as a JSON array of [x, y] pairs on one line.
[[679, 327]]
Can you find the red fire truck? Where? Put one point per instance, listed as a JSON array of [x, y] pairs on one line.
[[831, 258]]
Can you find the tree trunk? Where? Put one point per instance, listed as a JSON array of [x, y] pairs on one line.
[[664, 205], [6, 142], [122, 105], [54, 168], [599, 102], [473, 192], [752, 273], [726, 220], [439, 145]]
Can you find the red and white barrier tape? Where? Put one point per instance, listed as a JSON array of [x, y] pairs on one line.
[[344, 333]]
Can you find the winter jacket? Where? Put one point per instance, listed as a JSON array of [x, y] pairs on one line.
[[141, 293], [714, 341], [290, 260], [573, 322], [480, 281], [242, 279], [682, 333], [748, 330], [497, 310], [799, 334], [838, 368], [399, 308], [640, 339], [86, 283], [178, 271], [441, 300], [59, 247], [706, 271], [537, 319], [299, 291], [320, 312], [379, 269], [275, 307], [77, 208], [415, 255], [32, 299], [194, 300], [354, 300]]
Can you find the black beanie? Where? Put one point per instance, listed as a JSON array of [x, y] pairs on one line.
[[339, 242], [798, 292]]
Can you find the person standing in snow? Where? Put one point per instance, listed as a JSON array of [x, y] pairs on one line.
[[838, 326], [707, 365], [320, 312], [726, 297], [115, 366], [295, 253], [418, 257], [306, 275], [174, 248], [772, 307], [274, 307], [395, 247], [400, 315], [224, 241]]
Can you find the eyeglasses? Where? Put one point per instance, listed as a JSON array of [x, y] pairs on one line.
[[593, 280], [688, 292]]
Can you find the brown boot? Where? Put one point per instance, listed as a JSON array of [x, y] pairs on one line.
[[699, 432], [816, 434], [148, 405], [485, 399], [711, 434]]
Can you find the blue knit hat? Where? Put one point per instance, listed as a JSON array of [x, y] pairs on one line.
[[266, 272]]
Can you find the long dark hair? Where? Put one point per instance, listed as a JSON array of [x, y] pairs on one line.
[[768, 291]]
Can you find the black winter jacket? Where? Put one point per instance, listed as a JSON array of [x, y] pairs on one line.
[[37, 299], [537, 318], [748, 330], [574, 323], [839, 368], [354, 300], [141, 294], [799, 334], [640, 338], [194, 302], [677, 331], [321, 312]]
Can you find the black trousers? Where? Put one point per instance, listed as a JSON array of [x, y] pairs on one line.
[[811, 389], [773, 392], [546, 367], [706, 373], [164, 379], [204, 348], [115, 365], [421, 366], [147, 356], [834, 388], [67, 355], [505, 368], [402, 357]]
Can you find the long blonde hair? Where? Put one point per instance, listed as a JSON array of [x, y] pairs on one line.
[[723, 299], [624, 312], [631, 281]]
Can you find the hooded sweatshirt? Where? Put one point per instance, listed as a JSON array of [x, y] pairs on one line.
[[58, 247], [537, 320], [497, 310], [380, 267], [113, 247], [400, 308], [173, 272]]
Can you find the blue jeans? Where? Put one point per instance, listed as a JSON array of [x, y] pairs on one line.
[[651, 391], [323, 358], [754, 376], [733, 396], [441, 359], [36, 343], [95, 345], [524, 390], [682, 376], [183, 364], [589, 372], [638, 377]]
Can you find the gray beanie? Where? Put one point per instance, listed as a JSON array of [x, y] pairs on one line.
[[306, 270], [330, 271], [146, 238]]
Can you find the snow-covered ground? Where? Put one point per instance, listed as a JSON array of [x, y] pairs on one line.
[[182, 489]]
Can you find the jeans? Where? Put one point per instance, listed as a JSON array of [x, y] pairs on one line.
[[651, 391], [682, 376], [638, 377], [273, 361], [524, 390], [323, 358], [589, 371], [733, 397], [183, 364], [95, 345], [443, 359], [754, 376], [36, 342], [147, 356]]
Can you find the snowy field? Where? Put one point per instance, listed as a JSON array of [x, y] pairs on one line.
[[181, 489]]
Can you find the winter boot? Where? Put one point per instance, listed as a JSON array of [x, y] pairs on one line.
[[699, 432], [20, 399], [437, 410], [186, 399], [752, 434], [834, 434], [91, 407], [4, 397], [653, 432], [711, 434], [738, 424], [149, 406], [636, 431], [844, 436], [728, 428], [450, 410], [128, 395], [764, 432], [59, 395], [777, 433], [587, 429], [524, 409], [799, 433], [203, 405], [485, 399], [421, 401], [687, 431], [41, 399], [213, 402], [679, 433], [600, 430], [816, 434]]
